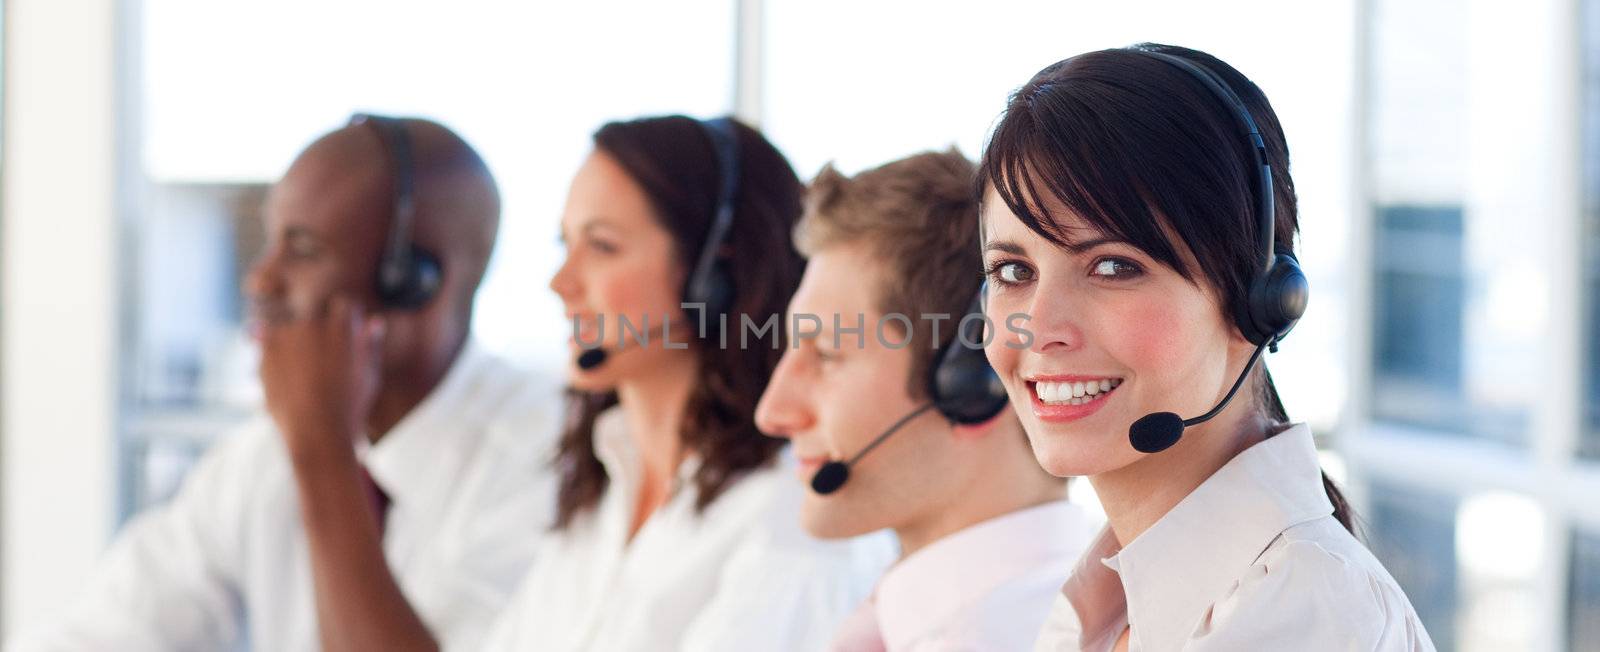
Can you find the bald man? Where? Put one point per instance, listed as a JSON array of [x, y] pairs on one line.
[[399, 463]]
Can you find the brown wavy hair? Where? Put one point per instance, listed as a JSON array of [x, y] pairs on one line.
[[672, 159], [1136, 146]]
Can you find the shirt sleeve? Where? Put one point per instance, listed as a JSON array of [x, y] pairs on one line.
[[168, 581], [1308, 598]]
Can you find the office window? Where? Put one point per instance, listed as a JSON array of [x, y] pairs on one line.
[[1419, 294]]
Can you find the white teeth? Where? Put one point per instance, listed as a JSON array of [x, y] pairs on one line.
[[1073, 393]]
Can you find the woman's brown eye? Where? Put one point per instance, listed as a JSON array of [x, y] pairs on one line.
[[1115, 268], [1015, 273]]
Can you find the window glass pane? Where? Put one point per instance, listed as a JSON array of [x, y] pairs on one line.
[[1418, 304], [1589, 442], [1459, 313]]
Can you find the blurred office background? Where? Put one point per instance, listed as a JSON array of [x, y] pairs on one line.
[[1447, 154]]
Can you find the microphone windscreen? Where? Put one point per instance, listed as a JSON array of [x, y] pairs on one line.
[[830, 477], [1155, 432], [591, 358]]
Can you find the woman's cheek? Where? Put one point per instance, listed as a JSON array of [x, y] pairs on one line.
[[1002, 356], [1151, 336], [637, 294], [995, 338]]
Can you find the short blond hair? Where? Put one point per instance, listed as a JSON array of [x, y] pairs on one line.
[[919, 215]]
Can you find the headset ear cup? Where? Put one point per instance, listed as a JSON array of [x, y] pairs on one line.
[[429, 275], [719, 290], [716, 295], [417, 286], [1277, 299], [719, 296], [964, 387]]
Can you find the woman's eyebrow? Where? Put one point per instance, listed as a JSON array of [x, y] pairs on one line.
[[1007, 246], [1086, 245], [597, 223], [1004, 246]]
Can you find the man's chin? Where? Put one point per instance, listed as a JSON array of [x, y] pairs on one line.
[[256, 325], [818, 522]]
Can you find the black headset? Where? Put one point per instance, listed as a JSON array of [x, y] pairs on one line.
[[710, 283], [964, 388], [1278, 293], [408, 275]]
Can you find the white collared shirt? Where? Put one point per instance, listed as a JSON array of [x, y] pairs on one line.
[[1252, 559], [985, 587], [741, 575], [225, 563]]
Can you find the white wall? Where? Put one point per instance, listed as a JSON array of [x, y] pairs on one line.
[[58, 315]]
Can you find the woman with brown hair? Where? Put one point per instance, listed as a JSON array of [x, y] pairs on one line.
[[677, 524], [1138, 210]]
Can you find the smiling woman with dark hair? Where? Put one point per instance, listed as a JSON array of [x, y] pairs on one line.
[[1138, 208]]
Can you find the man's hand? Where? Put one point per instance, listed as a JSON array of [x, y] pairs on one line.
[[321, 374]]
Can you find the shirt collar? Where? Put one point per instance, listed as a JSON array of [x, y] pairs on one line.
[[923, 591], [1173, 572], [408, 458], [619, 454], [1095, 593]]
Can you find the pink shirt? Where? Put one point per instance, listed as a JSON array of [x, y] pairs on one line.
[[986, 587], [1252, 559]]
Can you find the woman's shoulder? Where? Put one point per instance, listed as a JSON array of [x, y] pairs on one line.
[[1323, 549], [1323, 586]]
